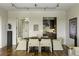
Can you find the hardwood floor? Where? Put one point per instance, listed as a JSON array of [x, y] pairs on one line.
[[12, 52]]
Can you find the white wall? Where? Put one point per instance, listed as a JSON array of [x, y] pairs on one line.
[[71, 13], [3, 27], [36, 17], [0, 33]]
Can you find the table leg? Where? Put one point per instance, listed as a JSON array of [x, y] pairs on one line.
[[70, 52], [39, 49], [51, 49]]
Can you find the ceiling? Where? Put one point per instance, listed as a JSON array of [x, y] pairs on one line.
[[30, 6]]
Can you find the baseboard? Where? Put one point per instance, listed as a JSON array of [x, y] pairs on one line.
[[14, 44], [2, 46]]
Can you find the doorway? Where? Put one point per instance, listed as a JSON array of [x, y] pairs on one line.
[[22, 29]]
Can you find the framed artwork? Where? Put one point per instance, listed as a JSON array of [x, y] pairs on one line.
[[36, 27], [73, 29], [49, 23]]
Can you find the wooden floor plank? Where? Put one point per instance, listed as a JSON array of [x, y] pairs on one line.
[[12, 52]]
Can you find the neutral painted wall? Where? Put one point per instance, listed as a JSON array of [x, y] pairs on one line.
[[36, 17], [0, 33], [71, 13], [3, 27]]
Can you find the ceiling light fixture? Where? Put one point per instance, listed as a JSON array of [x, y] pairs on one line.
[[13, 5], [57, 5], [44, 9], [35, 5]]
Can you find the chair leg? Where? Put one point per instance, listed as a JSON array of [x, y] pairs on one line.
[[51, 49], [28, 49], [39, 49]]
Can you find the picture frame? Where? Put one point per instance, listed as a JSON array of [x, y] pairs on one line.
[[73, 28], [36, 27]]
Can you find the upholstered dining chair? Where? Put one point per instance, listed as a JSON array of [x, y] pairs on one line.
[[22, 45], [75, 51], [57, 45], [46, 43], [61, 40], [33, 43], [19, 39]]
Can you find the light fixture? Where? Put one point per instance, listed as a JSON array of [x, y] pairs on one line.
[[57, 5], [26, 20], [35, 5]]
